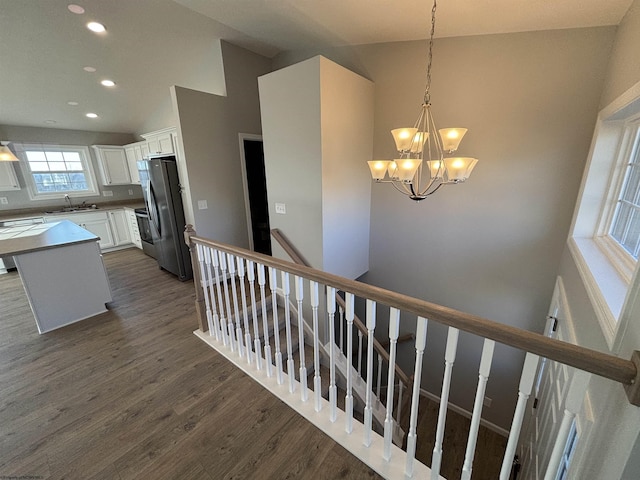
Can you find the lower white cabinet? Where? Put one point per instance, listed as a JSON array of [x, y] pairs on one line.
[[95, 222], [133, 227], [119, 227]]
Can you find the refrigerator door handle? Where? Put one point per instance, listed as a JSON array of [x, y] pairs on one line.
[[153, 208]]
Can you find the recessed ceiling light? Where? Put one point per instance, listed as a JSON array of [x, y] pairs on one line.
[[96, 27], [92, 115], [108, 83], [77, 9], [89, 69], [50, 122], [73, 104]]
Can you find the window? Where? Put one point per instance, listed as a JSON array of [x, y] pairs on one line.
[[55, 170], [625, 227], [605, 237]]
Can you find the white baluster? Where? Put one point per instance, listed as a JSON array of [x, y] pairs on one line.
[[317, 385], [265, 323], [245, 314], [449, 359], [524, 390], [211, 293], [399, 411], [359, 355], [273, 285], [287, 324], [341, 314], [304, 394], [333, 391], [379, 383], [421, 341], [485, 369], [348, 399], [205, 287], [227, 302], [223, 321], [234, 294], [368, 413], [254, 315], [572, 406], [394, 330]]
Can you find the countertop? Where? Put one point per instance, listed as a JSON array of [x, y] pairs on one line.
[[40, 212], [32, 238]]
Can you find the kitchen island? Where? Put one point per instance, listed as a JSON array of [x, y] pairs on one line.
[[61, 269]]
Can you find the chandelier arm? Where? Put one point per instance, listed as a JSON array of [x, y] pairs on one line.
[[404, 190]]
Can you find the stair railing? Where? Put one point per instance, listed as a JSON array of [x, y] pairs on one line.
[[381, 355], [213, 261]]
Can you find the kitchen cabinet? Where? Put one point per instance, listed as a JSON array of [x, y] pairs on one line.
[[160, 141], [8, 179], [113, 165], [119, 227], [132, 220], [95, 222], [133, 154]]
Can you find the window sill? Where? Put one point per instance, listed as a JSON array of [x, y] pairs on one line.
[[606, 287]]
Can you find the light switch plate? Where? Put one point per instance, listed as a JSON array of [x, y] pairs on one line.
[[281, 208], [107, 193], [202, 205], [4, 201]]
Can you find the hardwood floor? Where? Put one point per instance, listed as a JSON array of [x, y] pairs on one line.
[[133, 394]]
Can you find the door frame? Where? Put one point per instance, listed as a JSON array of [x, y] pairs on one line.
[[245, 187]]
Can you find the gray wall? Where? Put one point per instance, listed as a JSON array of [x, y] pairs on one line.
[[209, 126], [614, 417], [20, 199], [491, 246]]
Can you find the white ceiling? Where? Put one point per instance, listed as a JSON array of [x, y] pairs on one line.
[[153, 44]]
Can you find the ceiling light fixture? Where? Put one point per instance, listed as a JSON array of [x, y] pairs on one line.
[[108, 83], [422, 168], [73, 104], [89, 69], [77, 9], [7, 155], [96, 27], [92, 115]]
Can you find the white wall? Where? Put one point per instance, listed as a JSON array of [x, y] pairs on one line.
[[209, 125], [617, 423], [491, 246], [20, 199], [317, 130]]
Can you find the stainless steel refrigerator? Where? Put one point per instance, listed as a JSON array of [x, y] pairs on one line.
[[163, 196]]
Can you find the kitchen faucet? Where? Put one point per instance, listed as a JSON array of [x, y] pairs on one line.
[[66, 197]]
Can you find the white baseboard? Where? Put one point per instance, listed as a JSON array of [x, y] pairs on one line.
[[465, 413]]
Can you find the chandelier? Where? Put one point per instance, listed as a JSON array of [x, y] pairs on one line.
[[422, 168]]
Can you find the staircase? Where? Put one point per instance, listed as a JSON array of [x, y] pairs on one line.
[[277, 339]]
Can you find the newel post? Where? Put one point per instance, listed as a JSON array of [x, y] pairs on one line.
[[197, 278], [633, 390]]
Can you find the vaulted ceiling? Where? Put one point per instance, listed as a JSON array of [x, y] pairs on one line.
[[153, 44]]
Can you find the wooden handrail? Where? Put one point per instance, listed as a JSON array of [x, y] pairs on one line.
[[300, 260], [602, 364]]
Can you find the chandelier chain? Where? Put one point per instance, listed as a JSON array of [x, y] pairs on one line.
[[427, 93]]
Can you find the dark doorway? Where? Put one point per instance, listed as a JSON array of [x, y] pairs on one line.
[[257, 190]]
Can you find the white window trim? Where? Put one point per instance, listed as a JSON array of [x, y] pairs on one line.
[[604, 271], [28, 177]]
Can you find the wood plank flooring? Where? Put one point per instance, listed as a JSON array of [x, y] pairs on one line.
[[133, 394]]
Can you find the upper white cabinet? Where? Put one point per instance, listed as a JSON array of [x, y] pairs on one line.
[[113, 164], [133, 153], [160, 141], [8, 179]]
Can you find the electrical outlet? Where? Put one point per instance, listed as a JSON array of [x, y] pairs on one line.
[[130, 191], [107, 193], [281, 208], [487, 402], [4, 201], [202, 205]]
